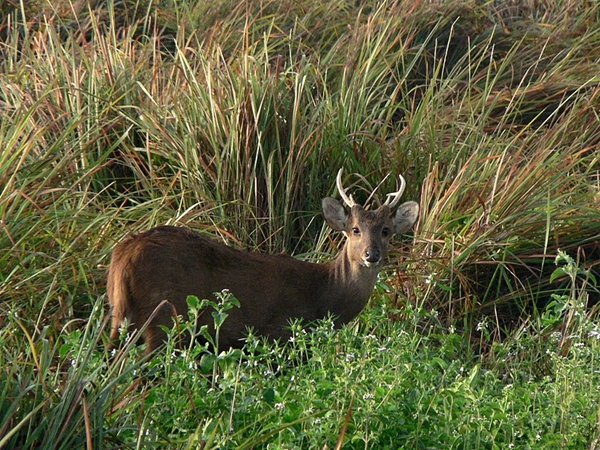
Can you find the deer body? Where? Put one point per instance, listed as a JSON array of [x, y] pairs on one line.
[[171, 263]]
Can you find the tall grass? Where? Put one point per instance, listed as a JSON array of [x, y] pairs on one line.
[[233, 118]]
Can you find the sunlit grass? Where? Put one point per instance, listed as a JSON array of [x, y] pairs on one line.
[[233, 118]]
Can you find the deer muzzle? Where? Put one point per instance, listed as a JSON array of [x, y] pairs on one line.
[[372, 257]]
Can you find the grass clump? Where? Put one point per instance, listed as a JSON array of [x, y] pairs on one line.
[[234, 119]]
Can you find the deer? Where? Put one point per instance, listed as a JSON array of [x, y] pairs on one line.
[[151, 275]]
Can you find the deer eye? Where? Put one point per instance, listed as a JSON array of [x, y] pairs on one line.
[[385, 232], [356, 231]]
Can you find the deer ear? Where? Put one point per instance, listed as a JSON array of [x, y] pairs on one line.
[[334, 213], [405, 217]]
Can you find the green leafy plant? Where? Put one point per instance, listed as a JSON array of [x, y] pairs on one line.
[[233, 118]]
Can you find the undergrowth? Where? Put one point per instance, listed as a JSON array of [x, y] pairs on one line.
[[233, 118]]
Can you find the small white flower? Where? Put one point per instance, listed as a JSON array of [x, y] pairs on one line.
[[594, 333], [557, 335]]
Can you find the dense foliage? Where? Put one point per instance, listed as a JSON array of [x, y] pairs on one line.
[[233, 118]]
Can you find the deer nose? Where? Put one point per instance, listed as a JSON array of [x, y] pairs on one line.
[[372, 255]]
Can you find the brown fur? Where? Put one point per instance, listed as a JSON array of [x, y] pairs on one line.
[[171, 263]]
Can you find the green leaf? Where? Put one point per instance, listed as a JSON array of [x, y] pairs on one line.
[[207, 362], [269, 395], [558, 273], [193, 302]]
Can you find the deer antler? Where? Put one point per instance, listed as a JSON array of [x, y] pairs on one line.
[[394, 197], [347, 198]]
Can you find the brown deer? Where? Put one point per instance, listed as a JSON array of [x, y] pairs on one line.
[[171, 263]]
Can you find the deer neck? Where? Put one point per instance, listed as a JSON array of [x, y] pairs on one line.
[[353, 284]]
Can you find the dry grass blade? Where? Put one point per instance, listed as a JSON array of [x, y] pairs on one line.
[[340, 442]]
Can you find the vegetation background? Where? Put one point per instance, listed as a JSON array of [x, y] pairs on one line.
[[232, 117]]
